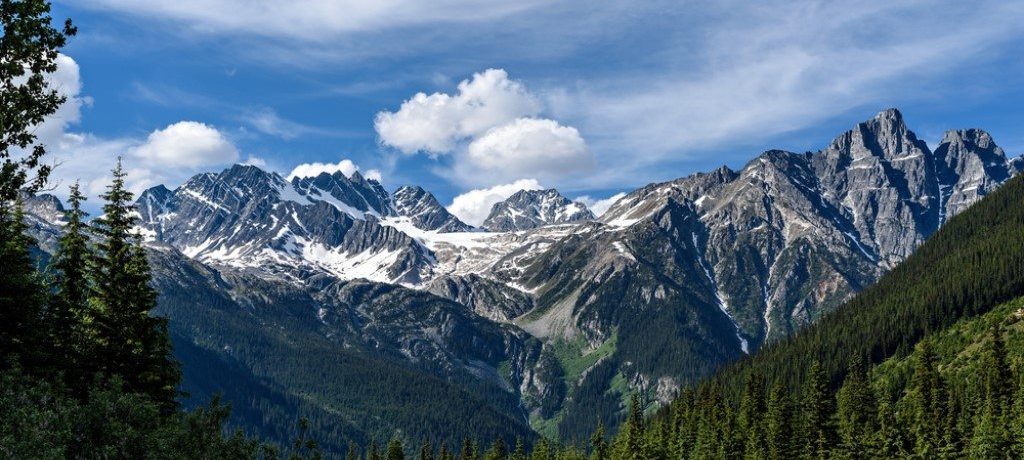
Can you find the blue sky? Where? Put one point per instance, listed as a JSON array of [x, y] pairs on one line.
[[593, 98]]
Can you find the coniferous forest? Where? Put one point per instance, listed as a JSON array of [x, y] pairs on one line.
[[927, 363]]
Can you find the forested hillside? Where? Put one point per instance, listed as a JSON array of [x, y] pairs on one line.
[[974, 263], [945, 326]]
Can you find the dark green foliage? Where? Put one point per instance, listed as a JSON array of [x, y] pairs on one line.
[[22, 293], [395, 450], [28, 52], [130, 342], [69, 316], [856, 412], [780, 424], [42, 420]]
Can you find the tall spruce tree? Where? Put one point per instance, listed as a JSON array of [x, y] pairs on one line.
[[131, 343], [69, 318], [598, 444], [856, 412], [927, 398], [22, 293], [992, 430], [753, 407], [634, 430], [498, 451], [779, 425], [395, 450], [817, 410], [520, 451], [426, 451]]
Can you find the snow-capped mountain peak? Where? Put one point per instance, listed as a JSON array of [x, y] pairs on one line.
[[527, 209]]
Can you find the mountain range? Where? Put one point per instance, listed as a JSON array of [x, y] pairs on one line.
[[374, 312]]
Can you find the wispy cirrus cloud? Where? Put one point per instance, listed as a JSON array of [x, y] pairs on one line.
[[645, 84]]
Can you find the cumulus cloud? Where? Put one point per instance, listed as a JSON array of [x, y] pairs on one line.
[[345, 166], [186, 144], [529, 146], [599, 206], [491, 129], [436, 123], [474, 206]]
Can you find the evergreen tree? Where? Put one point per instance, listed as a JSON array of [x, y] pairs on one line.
[[22, 293], [374, 452], [520, 452], [69, 317], [753, 407], [426, 451], [889, 439], [634, 430], [132, 344], [541, 450], [817, 411], [467, 450], [780, 433], [395, 450], [351, 454], [598, 444], [498, 451], [303, 446], [992, 435], [927, 398], [856, 412]]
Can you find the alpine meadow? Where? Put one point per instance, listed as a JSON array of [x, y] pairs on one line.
[[533, 230]]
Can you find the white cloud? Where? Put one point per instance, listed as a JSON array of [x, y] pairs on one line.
[[255, 161], [311, 20], [67, 82], [186, 144], [527, 147], [166, 156], [374, 174], [346, 166], [474, 206], [491, 130], [436, 123], [599, 206]]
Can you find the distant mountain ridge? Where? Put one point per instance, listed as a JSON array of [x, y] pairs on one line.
[[674, 280]]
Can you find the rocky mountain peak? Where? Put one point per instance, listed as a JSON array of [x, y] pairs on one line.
[[528, 209], [45, 206], [968, 165], [355, 194], [425, 212]]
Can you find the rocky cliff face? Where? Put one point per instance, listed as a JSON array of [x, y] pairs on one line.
[[529, 209], [425, 212]]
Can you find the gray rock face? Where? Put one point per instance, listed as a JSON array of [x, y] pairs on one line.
[[43, 206], [791, 236], [969, 164], [488, 298], [528, 209], [425, 212]]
